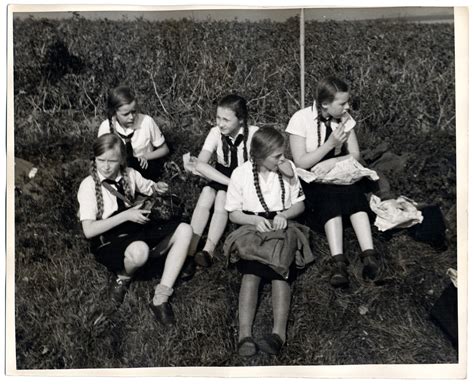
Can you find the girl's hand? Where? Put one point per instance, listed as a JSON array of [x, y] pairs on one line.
[[321, 169], [338, 137], [143, 163], [137, 215], [280, 222], [263, 225], [161, 187]]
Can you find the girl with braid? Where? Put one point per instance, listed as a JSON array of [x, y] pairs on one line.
[[263, 198], [321, 136], [229, 140], [145, 144], [122, 236]]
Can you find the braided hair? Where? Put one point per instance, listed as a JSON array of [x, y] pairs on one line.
[[264, 142], [325, 93], [102, 144], [258, 189], [237, 104], [116, 98]]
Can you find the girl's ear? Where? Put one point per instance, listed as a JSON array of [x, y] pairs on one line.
[[324, 105]]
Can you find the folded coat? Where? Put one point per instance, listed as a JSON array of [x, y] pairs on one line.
[[277, 249]]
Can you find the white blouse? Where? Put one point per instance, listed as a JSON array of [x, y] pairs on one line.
[[305, 123], [213, 143], [147, 136], [87, 200], [242, 195]]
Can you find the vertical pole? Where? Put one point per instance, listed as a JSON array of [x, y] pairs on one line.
[[302, 57]]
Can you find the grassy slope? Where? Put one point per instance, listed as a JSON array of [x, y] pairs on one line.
[[403, 77]]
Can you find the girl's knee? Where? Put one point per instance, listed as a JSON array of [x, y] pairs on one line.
[[136, 254], [207, 196], [184, 230]]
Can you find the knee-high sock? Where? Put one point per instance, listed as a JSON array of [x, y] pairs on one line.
[[198, 223], [216, 229]]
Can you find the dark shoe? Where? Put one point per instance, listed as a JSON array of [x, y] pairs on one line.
[[247, 347], [271, 344], [118, 288], [203, 258], [188, 269], [371, 262], [163, 313], [339, 277]]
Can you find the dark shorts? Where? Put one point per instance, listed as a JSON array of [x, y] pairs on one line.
[[109, 248]]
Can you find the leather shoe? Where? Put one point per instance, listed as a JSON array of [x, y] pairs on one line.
[[117, 289], [371, 262], [271, 344], [203, 258], [339, 277], [188, 269], [163, 313]]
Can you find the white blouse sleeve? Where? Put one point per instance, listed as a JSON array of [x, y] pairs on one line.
[[212, 140], [296, 191], [87, 200], [296, 125], [144, 186], [234, 197], [157, 137], [104, 128]]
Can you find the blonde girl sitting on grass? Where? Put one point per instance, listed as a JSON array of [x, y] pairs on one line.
[[122, 236]]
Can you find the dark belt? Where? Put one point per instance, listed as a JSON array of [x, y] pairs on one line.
[[270, 215]]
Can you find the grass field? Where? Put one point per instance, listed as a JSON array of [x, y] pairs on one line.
[[402, 76]]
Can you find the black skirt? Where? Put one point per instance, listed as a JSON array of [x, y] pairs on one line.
[[264, 271], [326, 201]]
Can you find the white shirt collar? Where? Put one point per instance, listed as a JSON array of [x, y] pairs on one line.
[[101, 177], [241, 131]]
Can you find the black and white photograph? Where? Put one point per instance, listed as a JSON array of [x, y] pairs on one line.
[[215, 191]]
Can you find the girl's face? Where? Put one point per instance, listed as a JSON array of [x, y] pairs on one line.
[[338, 107], [126, 114], [272, 161], [227, 121], [108, 164]]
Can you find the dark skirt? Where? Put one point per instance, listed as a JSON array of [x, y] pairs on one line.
[[152, 172], [227, 171], [109, 248], [326, 201], [264, 271]]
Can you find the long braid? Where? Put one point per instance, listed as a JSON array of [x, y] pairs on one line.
[[246, 136], [259, 191], [257, 187], [98, 190], [320, 120], [126, 185], [282, 186], [112, 126]]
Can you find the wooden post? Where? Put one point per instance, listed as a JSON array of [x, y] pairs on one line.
[[302, 57]]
